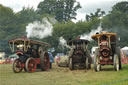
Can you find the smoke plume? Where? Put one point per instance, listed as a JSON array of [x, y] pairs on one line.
[[63, 43], [88, 35], [40, 29]]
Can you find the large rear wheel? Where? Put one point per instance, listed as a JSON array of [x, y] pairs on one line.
[[17, 66], [120, 64], [71, 66], [30, 65], [87, 63], [88, 60], [45, 61], [116, 62], [97, 61], [96, 64], [118, 53]]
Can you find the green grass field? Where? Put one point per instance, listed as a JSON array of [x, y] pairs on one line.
[[63, 76]]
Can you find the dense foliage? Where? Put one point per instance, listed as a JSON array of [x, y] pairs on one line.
[[14, 24], [63, 10], [117, 21]]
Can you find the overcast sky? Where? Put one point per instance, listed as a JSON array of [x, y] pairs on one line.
[[88, 6]]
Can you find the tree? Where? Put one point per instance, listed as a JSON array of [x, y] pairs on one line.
[[121, 6], [25, 16], [118, 16], [97, 14], [28, 14], [7, 25], [13, 25], [70, 30], [63, 10], [117, 21], [7, 21]]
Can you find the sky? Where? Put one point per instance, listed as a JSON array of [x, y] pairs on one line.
[[88, 6]]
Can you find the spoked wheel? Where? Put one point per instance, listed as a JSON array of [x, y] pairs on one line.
[[17, 66], [30, 65], [87, 63], [71, 66], [116, 62], [45, 61]]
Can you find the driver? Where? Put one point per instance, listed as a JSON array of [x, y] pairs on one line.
[[29, 51], [104, 40]]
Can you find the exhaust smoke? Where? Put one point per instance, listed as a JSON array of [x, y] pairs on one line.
[[88, 36], [63, 43], [40, 29]]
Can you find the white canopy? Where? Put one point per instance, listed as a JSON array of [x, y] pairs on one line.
[[124, 48]]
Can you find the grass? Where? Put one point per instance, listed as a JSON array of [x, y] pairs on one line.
[[63, 76]]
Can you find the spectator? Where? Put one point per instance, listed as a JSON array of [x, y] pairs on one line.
[[51, 59], [127, 53]]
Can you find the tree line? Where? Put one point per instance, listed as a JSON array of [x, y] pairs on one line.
[[64, 11]]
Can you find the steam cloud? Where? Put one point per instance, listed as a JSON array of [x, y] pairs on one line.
[[40, 29], [88, 36], [63, 43]]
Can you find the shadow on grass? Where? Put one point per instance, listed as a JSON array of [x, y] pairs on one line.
[[111, 68], [107, 69]]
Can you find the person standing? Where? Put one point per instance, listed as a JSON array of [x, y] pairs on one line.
[[51, 59]]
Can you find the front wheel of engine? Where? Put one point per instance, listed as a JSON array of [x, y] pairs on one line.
[[17, 66]]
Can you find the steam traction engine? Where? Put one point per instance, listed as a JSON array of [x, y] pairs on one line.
[[32, 55], [79, 55], [107, 52]]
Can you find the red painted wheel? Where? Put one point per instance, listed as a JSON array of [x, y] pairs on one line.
[[30, 65], [17, 66], [45, 64]]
